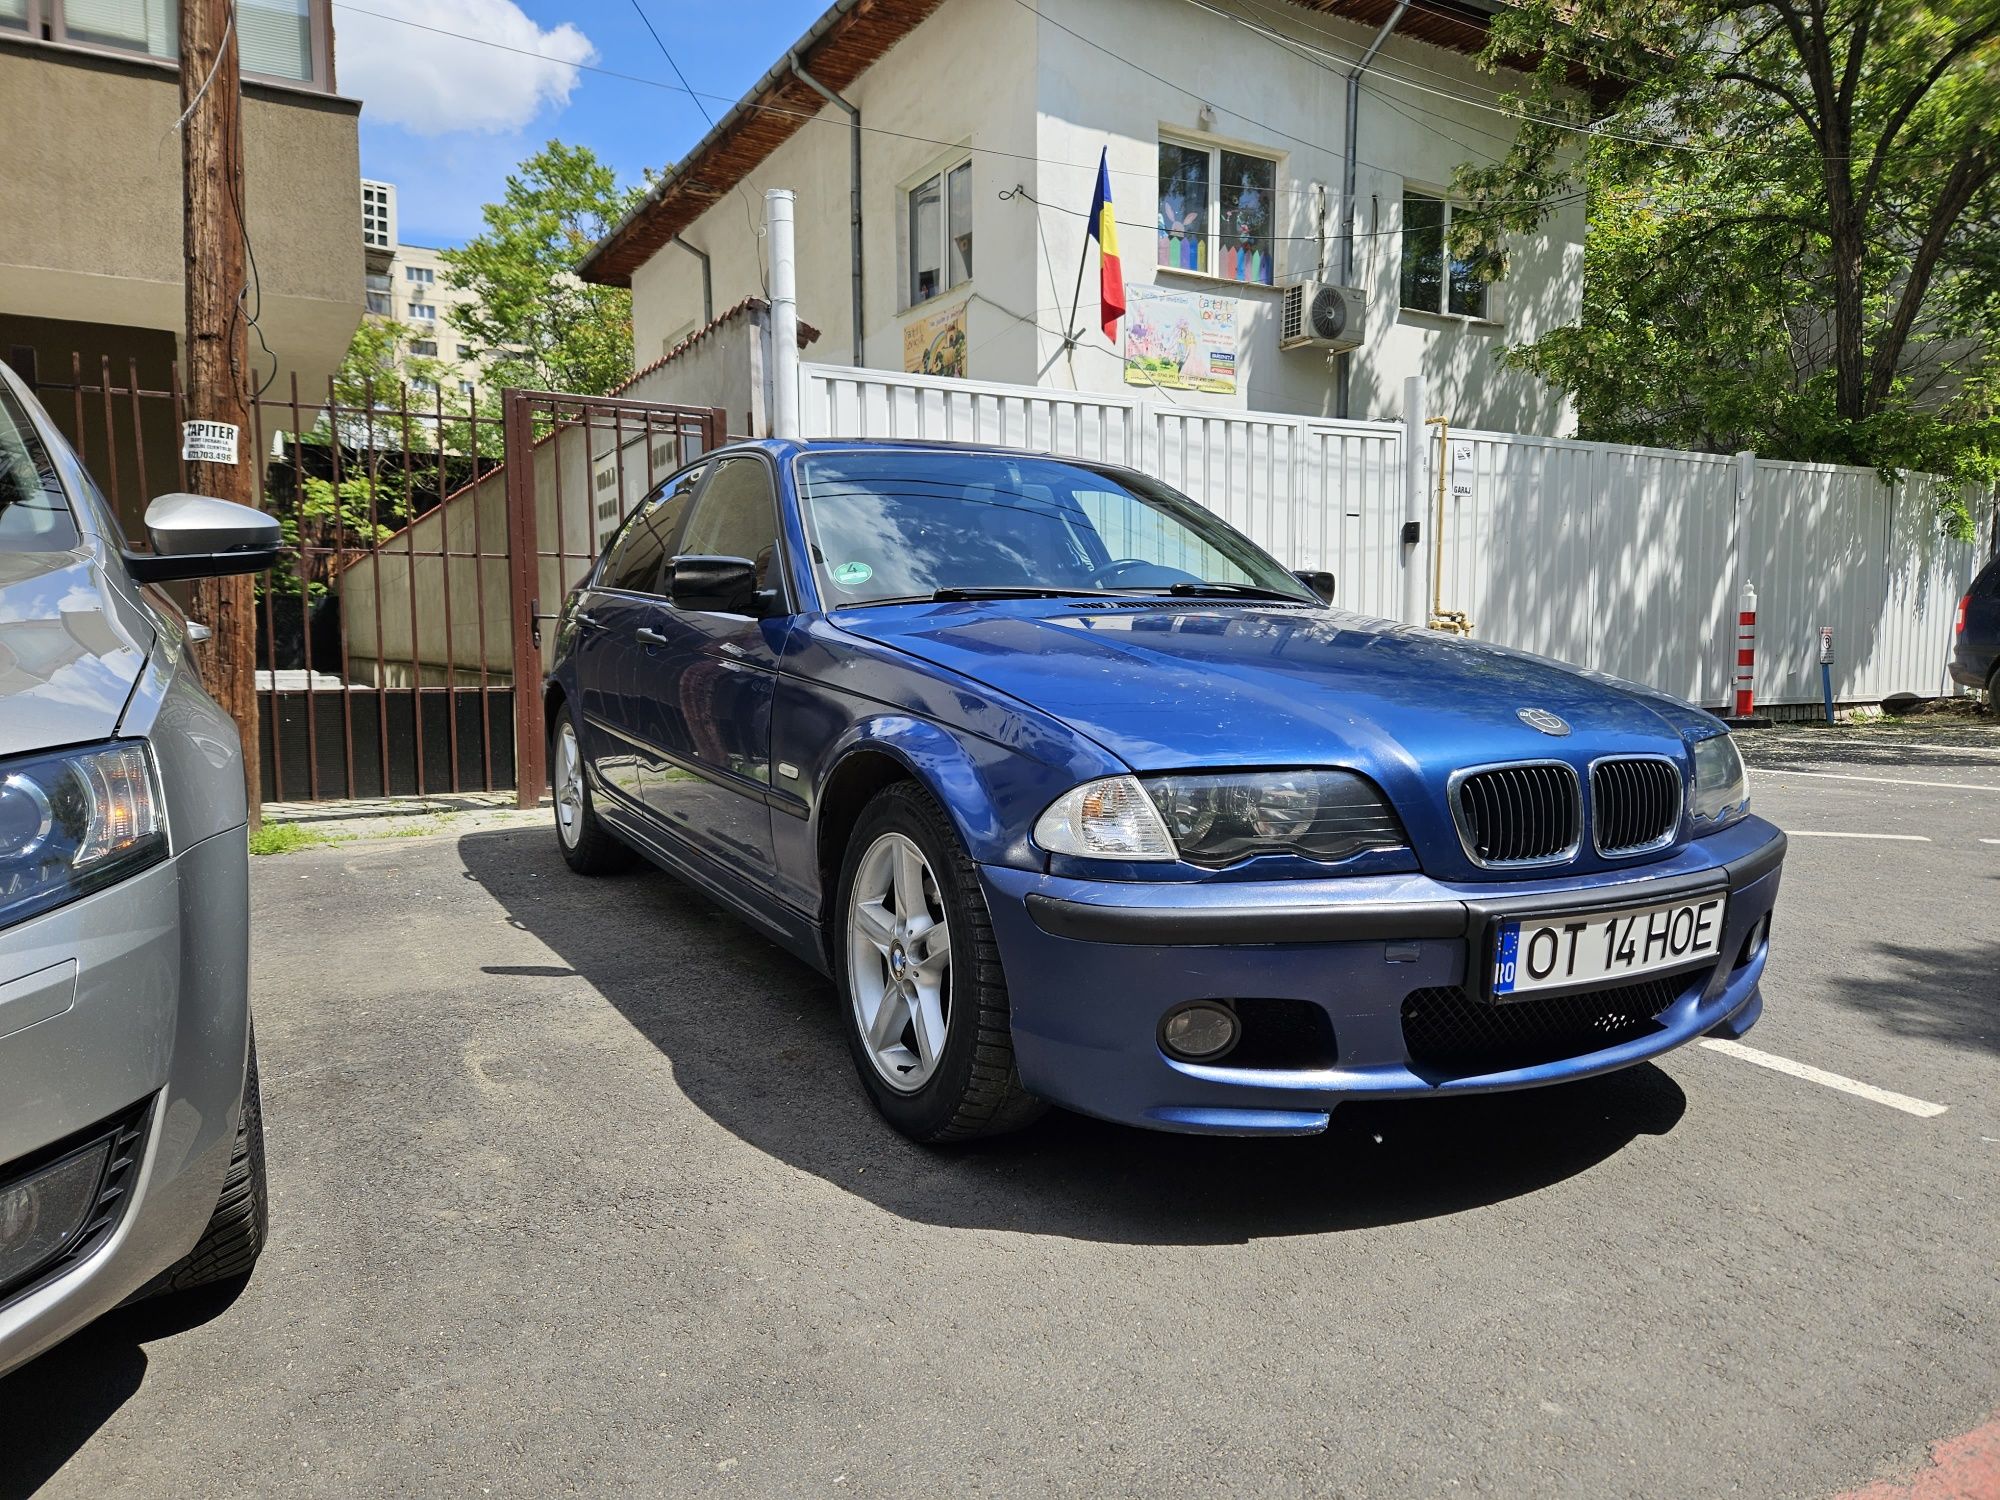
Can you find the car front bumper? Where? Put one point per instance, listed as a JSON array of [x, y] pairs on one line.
[[130, 1005], [1093, 966]]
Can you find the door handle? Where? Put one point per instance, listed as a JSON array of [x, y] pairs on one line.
[[650, 636], [586, 619]]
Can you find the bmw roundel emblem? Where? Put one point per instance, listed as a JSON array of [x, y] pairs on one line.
[[1542, 719]]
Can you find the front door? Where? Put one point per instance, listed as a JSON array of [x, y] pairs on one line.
[[709, 680]]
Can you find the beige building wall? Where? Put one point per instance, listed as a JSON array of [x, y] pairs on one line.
[[91, 232]]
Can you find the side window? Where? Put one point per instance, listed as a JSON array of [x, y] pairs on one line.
[[636, 556], [737, 516]]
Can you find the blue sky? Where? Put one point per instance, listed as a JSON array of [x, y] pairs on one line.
[[446, 120]]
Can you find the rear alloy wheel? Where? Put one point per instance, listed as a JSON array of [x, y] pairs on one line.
[[587, 845], [927, 1015]]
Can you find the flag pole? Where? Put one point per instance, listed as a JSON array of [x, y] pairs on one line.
[[1076, 297]]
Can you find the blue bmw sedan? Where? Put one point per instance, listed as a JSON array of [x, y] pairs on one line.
[[1081, 798]]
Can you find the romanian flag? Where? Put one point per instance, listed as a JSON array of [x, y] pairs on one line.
[[1104, 229]]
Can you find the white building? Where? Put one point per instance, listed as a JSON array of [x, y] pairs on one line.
[[980, 127], [406, 283]]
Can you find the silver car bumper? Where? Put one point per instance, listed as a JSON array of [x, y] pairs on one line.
[[154, 973]]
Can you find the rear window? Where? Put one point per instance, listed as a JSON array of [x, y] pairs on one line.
[[34, 515]]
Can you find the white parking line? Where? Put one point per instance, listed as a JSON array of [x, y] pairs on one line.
[[1990, 841], [1923, 1109], [1951, 786], [1909, 745], [1900, 838]]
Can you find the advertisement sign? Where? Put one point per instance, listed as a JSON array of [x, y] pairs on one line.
[[1180, 341], [208, 442], [935, 344]]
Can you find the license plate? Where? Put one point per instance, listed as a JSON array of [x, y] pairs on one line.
[[1582, 950]]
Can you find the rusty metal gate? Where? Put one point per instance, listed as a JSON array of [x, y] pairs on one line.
[[427, 538], [577, 465]]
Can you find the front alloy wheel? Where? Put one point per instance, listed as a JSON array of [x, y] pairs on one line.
[[926, 1017], [899, 958]]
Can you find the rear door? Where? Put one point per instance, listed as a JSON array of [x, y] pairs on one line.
[[709, 680], [609, 615]]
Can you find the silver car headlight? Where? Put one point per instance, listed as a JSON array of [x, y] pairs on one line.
[[1721, 784], [74, 822], [1221, 818]]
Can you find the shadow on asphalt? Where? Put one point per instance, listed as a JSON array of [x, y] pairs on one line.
[[755, 1043], [52, 1406], [1949, 996]]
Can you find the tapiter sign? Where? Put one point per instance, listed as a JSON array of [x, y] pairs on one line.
[[208, 443]]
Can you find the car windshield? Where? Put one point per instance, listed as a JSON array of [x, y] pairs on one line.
[[898, 524], [34, 517]]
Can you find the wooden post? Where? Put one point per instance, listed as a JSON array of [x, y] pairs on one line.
[[218, 346]]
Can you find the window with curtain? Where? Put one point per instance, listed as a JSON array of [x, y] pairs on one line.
[[274, 38], [14, 14], [1436, 280], [149, 26]]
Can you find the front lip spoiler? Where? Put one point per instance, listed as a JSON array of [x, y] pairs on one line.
[[1351, 922]]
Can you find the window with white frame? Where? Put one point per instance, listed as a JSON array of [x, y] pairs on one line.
[[1435, 278], [423, 274], [424, 346], [423, 312], [940, 233], [1218, 211], [379, 300]]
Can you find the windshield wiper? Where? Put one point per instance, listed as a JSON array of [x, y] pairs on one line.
[[1224, 590], [952, 592], [957, 593]]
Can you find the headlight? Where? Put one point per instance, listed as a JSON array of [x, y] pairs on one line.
[[74, 822], [1721, 785], [1218, 819]]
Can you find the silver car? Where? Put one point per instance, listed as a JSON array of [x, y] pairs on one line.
[[131, 1144]]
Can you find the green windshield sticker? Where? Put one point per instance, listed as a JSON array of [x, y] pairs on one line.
[[851, 575]]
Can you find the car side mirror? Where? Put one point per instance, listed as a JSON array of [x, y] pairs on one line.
[[1319, 582], [199, 536], [715, 585]]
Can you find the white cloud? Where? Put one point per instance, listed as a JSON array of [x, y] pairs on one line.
[[433, 85]]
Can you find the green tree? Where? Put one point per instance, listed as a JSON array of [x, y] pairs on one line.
[[539, 325], [1794, 240]]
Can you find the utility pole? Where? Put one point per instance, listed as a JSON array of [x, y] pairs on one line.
[[218, 346]]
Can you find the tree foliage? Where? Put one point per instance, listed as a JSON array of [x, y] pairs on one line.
[[540, 326], [1794, 240]]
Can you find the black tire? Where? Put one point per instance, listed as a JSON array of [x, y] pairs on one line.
[[975, 1089], [229, 1247], [594, 850], [1993, 692]]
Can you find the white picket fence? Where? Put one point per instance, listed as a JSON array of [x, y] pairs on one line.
[[1625, 560]]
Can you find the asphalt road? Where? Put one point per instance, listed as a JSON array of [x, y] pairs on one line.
[[575, 1192]]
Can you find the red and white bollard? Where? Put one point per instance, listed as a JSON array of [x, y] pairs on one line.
[[1746, 653]]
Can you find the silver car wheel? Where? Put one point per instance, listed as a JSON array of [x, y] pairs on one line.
[[899, 961], [569, 786]]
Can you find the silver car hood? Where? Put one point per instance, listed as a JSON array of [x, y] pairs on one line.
[[71, 647]]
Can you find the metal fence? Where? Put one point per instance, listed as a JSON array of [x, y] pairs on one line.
[[1625, 560], [416, 570]]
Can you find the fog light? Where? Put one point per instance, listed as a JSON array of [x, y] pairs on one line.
[[1755, 938], [41, 1213], [1199, 1032]]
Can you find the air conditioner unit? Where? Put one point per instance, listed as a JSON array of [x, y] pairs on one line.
[[1320, 316]]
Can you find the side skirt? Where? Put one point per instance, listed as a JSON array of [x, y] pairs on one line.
[[796, 934]]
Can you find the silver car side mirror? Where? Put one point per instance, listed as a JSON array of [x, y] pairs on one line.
[[199, 536]]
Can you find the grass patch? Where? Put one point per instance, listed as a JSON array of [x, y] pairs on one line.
[[284, 838]]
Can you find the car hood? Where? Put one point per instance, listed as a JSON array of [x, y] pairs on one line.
[[71, 648], [1166, 686]]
